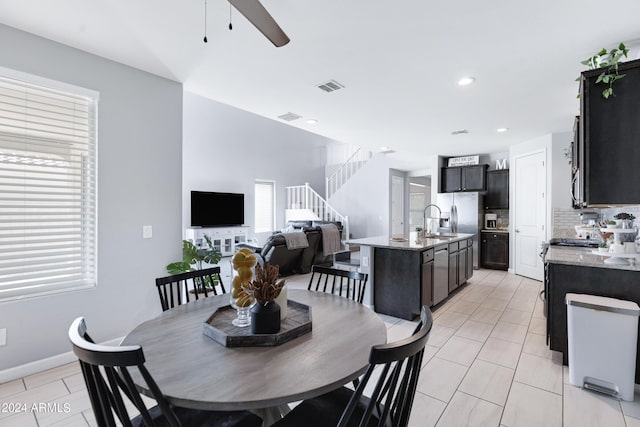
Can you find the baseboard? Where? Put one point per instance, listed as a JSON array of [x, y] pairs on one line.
[[37, 366]]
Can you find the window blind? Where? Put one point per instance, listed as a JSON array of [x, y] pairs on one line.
[[47, 187], [265, 206]]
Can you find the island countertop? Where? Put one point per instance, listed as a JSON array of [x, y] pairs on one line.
[[585, 257], [412, 243]]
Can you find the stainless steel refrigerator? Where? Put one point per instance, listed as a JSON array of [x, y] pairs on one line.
[[469, 208]]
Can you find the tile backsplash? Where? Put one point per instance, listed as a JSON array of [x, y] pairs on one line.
[[565, 218]]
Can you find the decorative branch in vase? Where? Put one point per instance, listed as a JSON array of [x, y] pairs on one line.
[[265, 288]]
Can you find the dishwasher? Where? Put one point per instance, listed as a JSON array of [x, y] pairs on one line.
[[440, 274]]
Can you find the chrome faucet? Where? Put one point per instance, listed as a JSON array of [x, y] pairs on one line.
[[424, 229]]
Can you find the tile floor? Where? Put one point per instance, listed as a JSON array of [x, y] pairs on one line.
[[486, 364]]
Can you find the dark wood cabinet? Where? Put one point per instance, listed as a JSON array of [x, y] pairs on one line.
[[403, 281], [469, 258], [609, 135], [460, 263], [494, 250], [606, 282], [453, 271], [462, 266], [463, 178], [427, 278], [497, 196]]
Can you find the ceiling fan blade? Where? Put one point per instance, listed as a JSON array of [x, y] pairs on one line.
[[255, 12]]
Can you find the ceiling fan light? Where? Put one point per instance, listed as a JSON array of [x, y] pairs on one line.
[[466, 81], [312, 121]]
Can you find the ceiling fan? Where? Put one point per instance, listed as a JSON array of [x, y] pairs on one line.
[[255, 12]]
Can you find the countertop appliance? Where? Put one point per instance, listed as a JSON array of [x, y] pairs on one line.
[[466, 216], [490, 221]]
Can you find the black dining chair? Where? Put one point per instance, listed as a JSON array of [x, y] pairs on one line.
[[392, 397], [106, 371], [350, 284], [181, 288]]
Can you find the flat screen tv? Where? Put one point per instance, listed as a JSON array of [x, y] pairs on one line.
[[209, 209]]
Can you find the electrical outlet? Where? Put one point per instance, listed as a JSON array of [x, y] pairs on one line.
[[365, 261], [3, 336], [147, 232]]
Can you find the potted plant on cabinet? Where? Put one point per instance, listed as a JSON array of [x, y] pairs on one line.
[[608, 61]]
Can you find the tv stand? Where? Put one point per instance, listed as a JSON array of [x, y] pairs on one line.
[[224, 239]]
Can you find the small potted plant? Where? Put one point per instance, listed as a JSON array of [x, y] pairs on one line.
[[612, 224], [192, 255], [265, 288], [608, 62], [602, 247], [624, 219]]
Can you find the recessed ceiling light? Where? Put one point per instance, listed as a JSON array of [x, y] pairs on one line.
[[465, 81], [312, 121], [502, 130], [384, 148]]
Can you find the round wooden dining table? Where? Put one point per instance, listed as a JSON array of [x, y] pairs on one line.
[[194, 371]]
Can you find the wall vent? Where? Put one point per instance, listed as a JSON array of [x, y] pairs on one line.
[[331, 86], [458, 132], [289, 116]]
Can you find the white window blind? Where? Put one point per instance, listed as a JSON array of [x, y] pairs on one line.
[[47, 186], [265, 197]]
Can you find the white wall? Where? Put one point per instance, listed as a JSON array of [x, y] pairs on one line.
[[560, 170], [139, 183], [365, 199], [227, 149]]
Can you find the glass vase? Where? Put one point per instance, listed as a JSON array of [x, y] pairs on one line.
[[243, 272]]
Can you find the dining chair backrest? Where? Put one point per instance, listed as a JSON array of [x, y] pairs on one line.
[[108, 379], [181, 288], [350, 284], [399, 365]]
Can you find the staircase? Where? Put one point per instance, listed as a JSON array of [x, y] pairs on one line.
[[346, 171], [304, 203]]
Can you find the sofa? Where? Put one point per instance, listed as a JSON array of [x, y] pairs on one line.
[[299, 260]]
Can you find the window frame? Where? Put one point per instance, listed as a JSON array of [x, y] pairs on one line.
[[86, 209], [272, 184]]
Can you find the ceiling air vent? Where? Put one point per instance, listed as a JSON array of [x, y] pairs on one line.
[[331, 86], [458, 132], [288, 117]]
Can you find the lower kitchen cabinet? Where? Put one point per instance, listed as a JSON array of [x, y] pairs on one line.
[[494, 250], [403, 281]]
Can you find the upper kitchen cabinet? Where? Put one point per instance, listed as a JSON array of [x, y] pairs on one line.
[[497, 196], [610, 138], [463, 178]]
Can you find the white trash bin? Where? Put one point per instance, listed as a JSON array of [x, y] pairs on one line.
[[603, 333]]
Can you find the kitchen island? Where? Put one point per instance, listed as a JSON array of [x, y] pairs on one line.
[[409, 273], [583, 271]]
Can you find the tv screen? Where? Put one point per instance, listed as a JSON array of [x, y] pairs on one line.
[[209, 209]]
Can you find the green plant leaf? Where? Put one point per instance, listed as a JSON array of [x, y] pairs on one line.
[[606, 78], [178, 267], [586, 62], [600, 78], [607, 92], [602, 52]]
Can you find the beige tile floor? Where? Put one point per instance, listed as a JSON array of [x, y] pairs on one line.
[[486, 364]]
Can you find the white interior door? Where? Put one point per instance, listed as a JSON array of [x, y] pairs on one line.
[[397, 205], [530, 217]]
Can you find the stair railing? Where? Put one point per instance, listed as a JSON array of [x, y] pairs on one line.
[[346, 171]]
